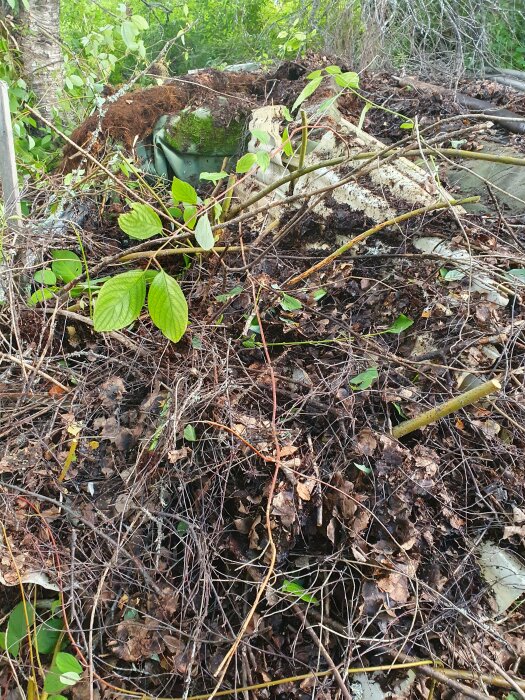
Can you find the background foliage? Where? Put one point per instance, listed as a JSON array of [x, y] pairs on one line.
[[105, 42]]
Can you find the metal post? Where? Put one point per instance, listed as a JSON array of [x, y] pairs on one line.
[[8, 174]]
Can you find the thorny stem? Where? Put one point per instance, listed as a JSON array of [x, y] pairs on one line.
[[379, 227], [438, 412]]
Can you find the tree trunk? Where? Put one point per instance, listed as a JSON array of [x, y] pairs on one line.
[[41, 52]]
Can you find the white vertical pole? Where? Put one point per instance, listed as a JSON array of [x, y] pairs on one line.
[[8, 174]]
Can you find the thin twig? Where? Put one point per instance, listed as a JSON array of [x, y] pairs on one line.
[[335, 671]]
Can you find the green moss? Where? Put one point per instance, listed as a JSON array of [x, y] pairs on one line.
[[193, 131]]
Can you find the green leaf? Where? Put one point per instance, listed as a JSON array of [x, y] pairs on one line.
[[347, 80], [263, 136], [66, 265], [263, 160], [213, 177], [140, 223], [407, 125], [246, 163], [129, 34], [297, 590], [168, 307], [183, 192], [189, 433], [47, 634], [286, 114], [313, 75], [76, 80], [45, 277], [401, 323], [120, 301], [287, 144], [365, 379], [289, 303], [319, 294], [40, 295], [363, 467], [229, 295], [67, 663], [190, 216], [308, 90], [56, 697], [203, 233], [17, 626], [52, 683], [451, 275], [140, 22], [333, 70], [519, 273], [65, 671], [69, 678]]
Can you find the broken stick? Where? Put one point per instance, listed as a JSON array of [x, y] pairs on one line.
[[434, 414]]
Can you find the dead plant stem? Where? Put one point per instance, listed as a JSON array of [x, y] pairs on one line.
[[375, 229], [451, 406]]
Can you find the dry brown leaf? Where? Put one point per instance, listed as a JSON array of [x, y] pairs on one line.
[[284, 507], [366, 442], [303, 491], [395, 585]]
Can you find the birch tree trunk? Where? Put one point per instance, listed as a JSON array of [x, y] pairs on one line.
[[42, 53]]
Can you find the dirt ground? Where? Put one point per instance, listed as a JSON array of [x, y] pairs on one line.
[[197, 468]]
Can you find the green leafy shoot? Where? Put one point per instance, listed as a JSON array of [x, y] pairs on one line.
[[333, 70], [203, 233], [401, 324], [262, 136], [289, 303], [347, 80], [287, 144], [222, 298], [168, 307], [66, 265], [141, 223], [190, 434], [407, 125], [294, 588], [363, 468], [318, 294], [120, 301], [19, 623], [246, 163], [47, 635], [183, 192], [40, 295], [64, 672], [45, 276], [190, 216], [263, 160], [364, 380], [213, 177], [307, 91]]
